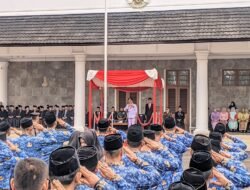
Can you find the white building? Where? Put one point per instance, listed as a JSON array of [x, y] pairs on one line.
[[201, 48]]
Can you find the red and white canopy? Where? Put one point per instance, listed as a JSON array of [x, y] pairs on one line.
[[126, 78]]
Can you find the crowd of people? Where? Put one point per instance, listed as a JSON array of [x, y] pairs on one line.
[[233, 118], [43, 158], [13, 114]]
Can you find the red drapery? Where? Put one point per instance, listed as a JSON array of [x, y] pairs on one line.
[[123, 78]]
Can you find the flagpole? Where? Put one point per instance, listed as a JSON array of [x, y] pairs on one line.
[[105, 60]]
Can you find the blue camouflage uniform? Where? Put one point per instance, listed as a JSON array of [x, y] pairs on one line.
[[102, 136], [144, 176], [105, 186], [231, 186], [7, 164], [237, 143], [185, 138], [240, 181]]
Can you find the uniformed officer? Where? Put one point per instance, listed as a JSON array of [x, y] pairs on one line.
[[220, 127], [104, 129], [144, 176], [88, 158], [237, 175], [203, 161], [64, 166], [165, 166]]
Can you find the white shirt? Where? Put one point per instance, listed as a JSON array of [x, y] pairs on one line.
[[131, 110]]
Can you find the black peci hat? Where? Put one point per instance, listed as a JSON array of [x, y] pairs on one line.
[[220, 127], [180, 185], [49, 117], [113, 142], [195, 178], [88, 157], [156, 127], [4, 126], [202, 161], [26, 122], [135, 133], [215, 145], [149, 134], [201, 142], [169, 123], [215, 136], [103, 123], [63, 162]]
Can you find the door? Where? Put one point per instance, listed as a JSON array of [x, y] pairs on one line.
[[123, 98], [177, 91]]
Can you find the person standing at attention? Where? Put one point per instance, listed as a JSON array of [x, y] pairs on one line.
[[131, 110]]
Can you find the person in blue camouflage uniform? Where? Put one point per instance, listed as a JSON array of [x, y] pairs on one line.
[[177, 133], [166, 166], [227, 151], [32, 146], [236, 141], [64, 166], [88, 158], [104, 129], [144, 176], [175, 148], [203, 161], [7, 164], [238, 176]]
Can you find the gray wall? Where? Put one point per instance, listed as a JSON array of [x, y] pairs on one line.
[[25, 80], [220, 96], [25, 83]]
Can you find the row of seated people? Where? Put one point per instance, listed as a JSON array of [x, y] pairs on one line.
[[112, 159], [14, 114]]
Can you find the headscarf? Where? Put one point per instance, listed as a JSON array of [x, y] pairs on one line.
[[90, 138]]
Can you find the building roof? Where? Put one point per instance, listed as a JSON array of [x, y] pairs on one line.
[[175, 26]]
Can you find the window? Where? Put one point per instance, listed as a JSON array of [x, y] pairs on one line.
[[178, 78], [236, 77]]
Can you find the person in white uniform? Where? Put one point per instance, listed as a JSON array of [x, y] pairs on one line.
[[131, 110]]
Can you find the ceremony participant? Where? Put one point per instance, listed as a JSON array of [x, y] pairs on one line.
[[3, 113], [19, 114], [239, 176], [11, 116], [236, 141], [224, 116], [87, 138], [202, 161], [215, 117], [121, 115], [36, 122], [57, 111], [233, 123], [167, 114], [64, 166], [132, 112], [70, 115], [30, 174], [65, 112], [27, 111], [112, 115], [88, 158], [148, 110], [227, 151], [166, 166], [97, 116], [232, 105], [180, 118], [195, 178], [140, 175], [104, 129], [243, 118]]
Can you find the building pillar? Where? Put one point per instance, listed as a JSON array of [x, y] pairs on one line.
[[4, 82], [202, 90], [79, 118]]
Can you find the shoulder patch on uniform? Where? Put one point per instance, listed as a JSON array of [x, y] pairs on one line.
[[65, 132], [1, 178], [29, 144], [166, 163]]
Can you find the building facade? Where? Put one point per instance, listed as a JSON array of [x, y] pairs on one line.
[[201, 50]]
